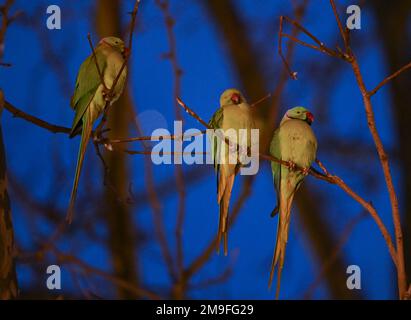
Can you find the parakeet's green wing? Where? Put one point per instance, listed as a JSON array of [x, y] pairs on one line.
[[87, 82], [215, 123], [276, 167]]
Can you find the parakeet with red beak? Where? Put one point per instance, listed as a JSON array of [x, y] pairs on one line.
[[294, 141], [90, 96], [234, 113]]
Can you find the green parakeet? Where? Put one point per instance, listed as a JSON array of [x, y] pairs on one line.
[[90, 97], [295, 142], [234, 113]]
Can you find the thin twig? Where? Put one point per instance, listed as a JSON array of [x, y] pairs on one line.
[[283, 77], [343, 31], [256, 103], [292, 74], [34, 120], [154, 138], [100, 74], [389, 78], [192, 113], [130, 43], [106, 169], [321, 47], [150, 152], [5, 21]]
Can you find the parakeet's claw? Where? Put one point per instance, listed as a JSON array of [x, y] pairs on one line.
[[107, 94], [306, 171], [291, 165], [99, 135]]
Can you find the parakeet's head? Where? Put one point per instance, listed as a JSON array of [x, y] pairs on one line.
[[115, 43], [230, 97], [300, 113]]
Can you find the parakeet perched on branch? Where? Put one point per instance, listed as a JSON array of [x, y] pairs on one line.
[[294, 142], [235, 114], [91, 96]]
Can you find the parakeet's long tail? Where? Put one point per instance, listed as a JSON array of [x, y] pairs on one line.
[[85, 135], [281, 242], [225, 187]]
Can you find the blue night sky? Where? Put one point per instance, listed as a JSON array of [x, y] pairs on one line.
[[43, 163]]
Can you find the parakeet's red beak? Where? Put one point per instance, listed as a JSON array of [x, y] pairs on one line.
[[126, 52], [310, 117], [236, 98]]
